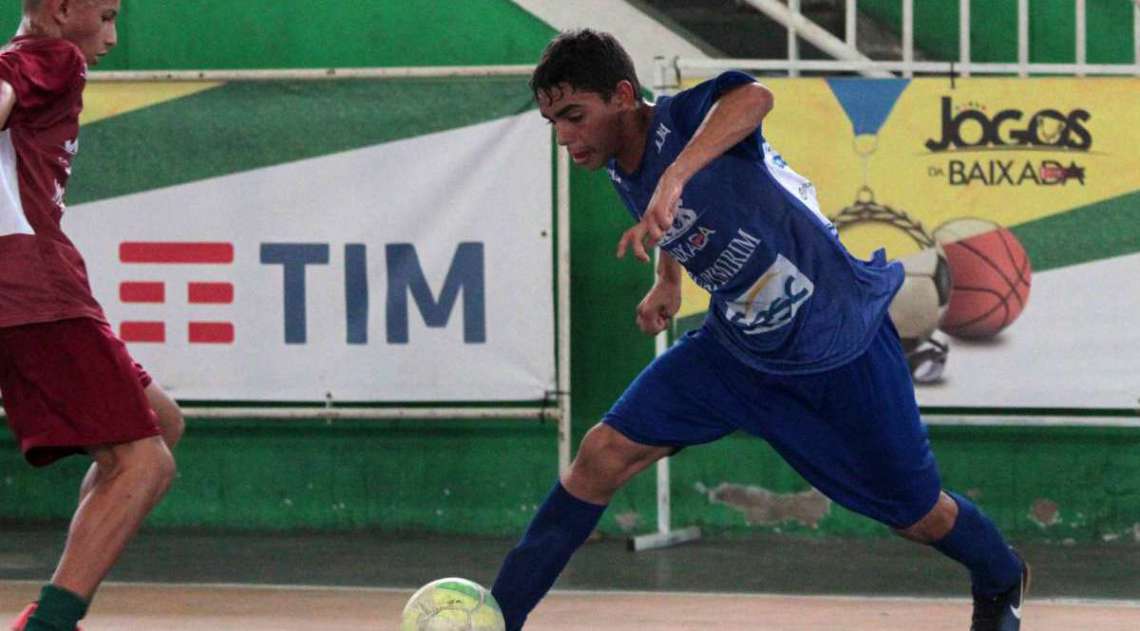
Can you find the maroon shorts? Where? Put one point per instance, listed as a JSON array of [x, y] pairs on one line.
[[69, 385]]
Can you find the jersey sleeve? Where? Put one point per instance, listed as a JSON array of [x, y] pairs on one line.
[[42, 73], [689, 108]]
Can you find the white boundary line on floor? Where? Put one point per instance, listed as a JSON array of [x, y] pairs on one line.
[[1079, 602]]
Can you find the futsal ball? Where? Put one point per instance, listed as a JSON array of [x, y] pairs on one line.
[[452, 604], [991, 274], [920, 303]]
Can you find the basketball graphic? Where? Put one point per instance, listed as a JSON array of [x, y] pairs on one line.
[[991, 275]]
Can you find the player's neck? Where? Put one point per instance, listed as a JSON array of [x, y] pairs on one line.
[[635, 133]]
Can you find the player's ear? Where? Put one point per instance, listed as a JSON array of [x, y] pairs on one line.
[[625, 94], [57, 10]]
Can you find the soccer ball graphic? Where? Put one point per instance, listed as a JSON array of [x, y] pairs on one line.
[[452, 604], [920, 303]]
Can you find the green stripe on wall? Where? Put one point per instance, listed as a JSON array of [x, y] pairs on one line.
[[489, 477], [1088, 233], [308, 34], [193, 138]]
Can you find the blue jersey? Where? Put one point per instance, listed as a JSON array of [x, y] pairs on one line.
[[786, 296]]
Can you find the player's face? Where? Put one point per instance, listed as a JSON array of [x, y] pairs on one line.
[[91, 25], [587, 125]]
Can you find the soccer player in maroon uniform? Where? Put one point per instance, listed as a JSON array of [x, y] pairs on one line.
[[69, 385]]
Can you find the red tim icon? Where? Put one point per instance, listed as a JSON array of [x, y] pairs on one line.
[[197, 292]]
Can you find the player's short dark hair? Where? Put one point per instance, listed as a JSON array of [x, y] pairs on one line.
[[588, 60]]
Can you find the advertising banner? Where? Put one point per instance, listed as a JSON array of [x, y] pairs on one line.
[[1014, 205], [247, 254]]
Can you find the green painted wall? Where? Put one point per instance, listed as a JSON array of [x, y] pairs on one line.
[[488, 477], [215, 34], [993, 29]]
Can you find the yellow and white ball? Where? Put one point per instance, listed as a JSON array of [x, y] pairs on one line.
[[452, 604]]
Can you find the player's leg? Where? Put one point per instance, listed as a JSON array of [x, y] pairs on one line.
[[133, 477], [570, 512], [169, 418], [70, 387], [659, 412], [954, 525], [1000, 578], [862, 443], [167, 413]]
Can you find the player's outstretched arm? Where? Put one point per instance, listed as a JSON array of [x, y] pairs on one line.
[[7, 102], [735, 115]]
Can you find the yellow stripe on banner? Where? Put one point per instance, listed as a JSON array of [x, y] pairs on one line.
[[112, 98]]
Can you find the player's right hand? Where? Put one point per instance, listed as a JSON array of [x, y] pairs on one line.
[[656, 310]]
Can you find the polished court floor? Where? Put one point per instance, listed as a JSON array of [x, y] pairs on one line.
[[191, 581]]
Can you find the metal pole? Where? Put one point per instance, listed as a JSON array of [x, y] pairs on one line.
[[793, 43], [908, 37], [1136, 34], [713, 66], [565, 422], [964, 36], [313, 74], [348, 412], [851, 28], [1080, 36], [1023, 38], [664, 501]]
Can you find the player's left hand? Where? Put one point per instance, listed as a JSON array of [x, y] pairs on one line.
[[657, 220], [655, 312]]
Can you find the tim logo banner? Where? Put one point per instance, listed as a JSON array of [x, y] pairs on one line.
[[417, 270]]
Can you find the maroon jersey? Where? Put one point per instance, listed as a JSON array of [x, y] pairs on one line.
[[42, 276]]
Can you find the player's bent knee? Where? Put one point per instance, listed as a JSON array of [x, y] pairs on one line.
[[147, 461], [936, 524], [617, 455], [606, 460]]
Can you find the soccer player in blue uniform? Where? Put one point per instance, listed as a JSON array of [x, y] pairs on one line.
[[797, 347]]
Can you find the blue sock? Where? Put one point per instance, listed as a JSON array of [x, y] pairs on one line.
[[975, 542], [559, 527]]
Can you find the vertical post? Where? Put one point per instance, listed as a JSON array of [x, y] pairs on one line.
[[793, 42], [1136, 35], [665, 535], [1080, 38], [908, 37], [1023, 38], [664, 502], [563, 219], [850, 26], [964, 36]]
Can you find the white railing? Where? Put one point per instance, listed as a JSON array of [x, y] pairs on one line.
[[847, 57]]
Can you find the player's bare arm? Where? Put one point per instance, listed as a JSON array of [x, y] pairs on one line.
[[7, 102], [657, 309], [735, 115]]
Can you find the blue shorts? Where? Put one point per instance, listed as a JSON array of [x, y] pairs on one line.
[[853, 432]]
